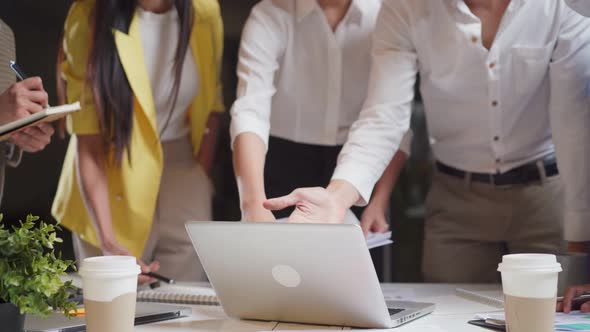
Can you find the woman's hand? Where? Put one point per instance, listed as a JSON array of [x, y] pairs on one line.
[[572, 292], [373, 219], [112, 248]]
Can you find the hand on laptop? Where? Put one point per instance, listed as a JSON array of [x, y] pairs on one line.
[[373, 219], [20, 100], [317, 205]]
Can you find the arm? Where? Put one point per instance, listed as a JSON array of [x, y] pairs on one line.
[[261, 47], [92, 179], [377, 134], [570, 122]]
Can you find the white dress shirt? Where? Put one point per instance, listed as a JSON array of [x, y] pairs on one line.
[[298, 79], [159, 38], [487, 111]]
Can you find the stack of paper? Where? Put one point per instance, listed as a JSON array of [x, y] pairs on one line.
[[576, 321]]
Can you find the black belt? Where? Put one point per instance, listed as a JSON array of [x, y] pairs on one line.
[[524, 174]]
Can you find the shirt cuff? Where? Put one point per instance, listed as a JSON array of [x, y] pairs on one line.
[[363, 182], [246, 124], [577, 226]]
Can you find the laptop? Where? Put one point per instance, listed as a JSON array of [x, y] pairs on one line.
[[145, 313], [299, 273]]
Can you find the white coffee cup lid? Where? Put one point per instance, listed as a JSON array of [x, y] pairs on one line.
[[109, 265], [529, 262]]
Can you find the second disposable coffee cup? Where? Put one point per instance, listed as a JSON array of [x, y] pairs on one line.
[[529, 282], [110, 291]]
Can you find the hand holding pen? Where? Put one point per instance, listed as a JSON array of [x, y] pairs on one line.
[[19, 101]]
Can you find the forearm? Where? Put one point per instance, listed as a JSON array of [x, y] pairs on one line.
[[249, 158], [92, 180], [384, 187]]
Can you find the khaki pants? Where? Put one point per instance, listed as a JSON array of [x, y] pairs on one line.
[[185, 194], [470, 225]]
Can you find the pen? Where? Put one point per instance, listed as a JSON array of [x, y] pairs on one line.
[[18, 71], [583, 297], [159, 277]]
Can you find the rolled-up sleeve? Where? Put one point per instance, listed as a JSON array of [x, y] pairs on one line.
[[262, 45], [385, 117], [570, 120], [76, 44]]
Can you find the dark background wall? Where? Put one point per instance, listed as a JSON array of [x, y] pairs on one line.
[[30, 188]]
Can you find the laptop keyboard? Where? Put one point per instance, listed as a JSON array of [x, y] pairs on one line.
[[394, 311]]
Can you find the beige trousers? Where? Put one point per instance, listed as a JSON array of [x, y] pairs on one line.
[[185, 194], [470, 225]]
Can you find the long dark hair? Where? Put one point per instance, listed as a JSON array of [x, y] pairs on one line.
[[112, 93]]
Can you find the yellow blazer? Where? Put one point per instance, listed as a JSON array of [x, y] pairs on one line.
[[133, 186]]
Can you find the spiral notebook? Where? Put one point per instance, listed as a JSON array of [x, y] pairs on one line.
[[493, 298], [179, 294]]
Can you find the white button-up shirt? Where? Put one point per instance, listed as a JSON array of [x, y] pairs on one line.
[[487, 110], [298, 79]]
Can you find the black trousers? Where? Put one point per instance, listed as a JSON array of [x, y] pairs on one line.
[[291, 165]]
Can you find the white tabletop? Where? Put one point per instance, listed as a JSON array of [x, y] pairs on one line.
[[451, 314]]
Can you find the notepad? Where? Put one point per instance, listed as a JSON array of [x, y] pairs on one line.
[[374, 240], [47, 115], [179, 294]]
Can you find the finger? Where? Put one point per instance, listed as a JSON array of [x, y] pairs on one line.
[[27, 142], [31, 107], [46, 128], [382, 226], [38, 97], [145, 268], [38, 136], [142, 280], [281, 202], [585, 308], [366, 225], [559, 307], [570, 294], [155, 266], [33, 83]]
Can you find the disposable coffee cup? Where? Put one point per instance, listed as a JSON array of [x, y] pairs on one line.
[[110, 292], [529, 282]]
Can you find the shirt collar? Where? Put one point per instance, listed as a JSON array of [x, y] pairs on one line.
[[306, 7]]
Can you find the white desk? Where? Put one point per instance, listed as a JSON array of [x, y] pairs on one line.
[[451, 315]]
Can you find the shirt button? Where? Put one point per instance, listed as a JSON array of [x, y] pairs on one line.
[[494, 103], [496, 138], [474, 39]]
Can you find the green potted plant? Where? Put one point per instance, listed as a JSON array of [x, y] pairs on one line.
[[31, 274]]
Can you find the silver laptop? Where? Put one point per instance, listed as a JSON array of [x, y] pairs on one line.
[[145, 313], [315, 274]]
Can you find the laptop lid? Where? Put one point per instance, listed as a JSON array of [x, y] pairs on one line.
[[317, 274], [145, 313]]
